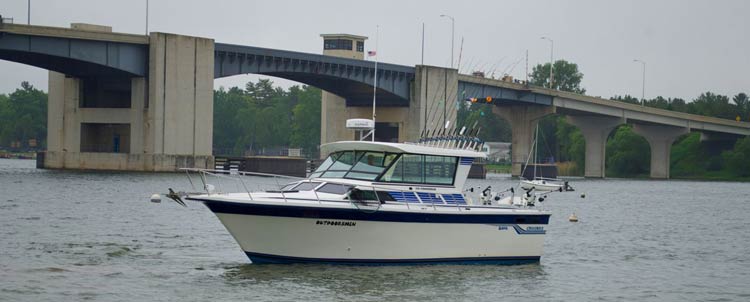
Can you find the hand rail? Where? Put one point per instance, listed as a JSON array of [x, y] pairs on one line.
[[236, 176]]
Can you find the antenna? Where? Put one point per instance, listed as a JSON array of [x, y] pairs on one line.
[[460, 52], [527, 68], [422, 43], [375, 86]]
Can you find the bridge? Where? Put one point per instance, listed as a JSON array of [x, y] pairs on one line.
[[134, 102]]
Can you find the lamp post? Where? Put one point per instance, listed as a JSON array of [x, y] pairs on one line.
[[28, 12], [453, 32], [643, 84], [551, 61], [147, 17]]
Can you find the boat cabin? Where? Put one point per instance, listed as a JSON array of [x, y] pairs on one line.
[[396, 164]]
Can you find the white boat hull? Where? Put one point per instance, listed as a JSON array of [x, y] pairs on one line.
[[541, 186], [277, 239]]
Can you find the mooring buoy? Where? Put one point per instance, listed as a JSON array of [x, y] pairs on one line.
[[156, 198], [573, 218]]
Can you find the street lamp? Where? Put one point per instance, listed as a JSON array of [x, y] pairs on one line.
[[453, 32], [551, 62], [643, 85]]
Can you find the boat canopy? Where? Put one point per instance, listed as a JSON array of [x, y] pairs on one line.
[[397, 148], [395, 163]]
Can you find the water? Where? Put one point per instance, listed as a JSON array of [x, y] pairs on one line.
[[94, 236]]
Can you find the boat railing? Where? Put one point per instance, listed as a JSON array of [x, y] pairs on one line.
[[277, 183], [544, 178]]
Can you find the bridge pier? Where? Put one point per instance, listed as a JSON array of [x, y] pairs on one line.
[[523, 120], [431, 99], [595, 130], [660, 138], [118, 121]]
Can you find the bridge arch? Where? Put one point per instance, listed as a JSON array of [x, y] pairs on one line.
[[73, 56], [349, 78]]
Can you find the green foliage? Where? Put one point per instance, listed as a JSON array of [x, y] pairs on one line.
[[626, 99], [736, 160], [715, 105], [494, 128], [572, 145], [689, 156], [23, 116], [742, 102], [628, 154], [263, 117], [566, 76]]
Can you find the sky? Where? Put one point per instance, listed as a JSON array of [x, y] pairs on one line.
[[689, 47]]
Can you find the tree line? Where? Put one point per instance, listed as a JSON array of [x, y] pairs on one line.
[[263, 118]]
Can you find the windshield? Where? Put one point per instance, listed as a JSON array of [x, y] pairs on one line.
[[364, 165], [401, 168]]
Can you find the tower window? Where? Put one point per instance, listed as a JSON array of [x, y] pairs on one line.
[[337, 44], [360, 46]]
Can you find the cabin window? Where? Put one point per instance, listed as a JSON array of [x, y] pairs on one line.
[[439, 169], [427, 169], [344, 161], [404, 168], [307, 186], [324, 166], [369, 166], [334, 189], [288, 187], [408, 168]]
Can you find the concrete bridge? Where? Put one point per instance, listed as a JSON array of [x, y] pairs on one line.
[[133, 102]]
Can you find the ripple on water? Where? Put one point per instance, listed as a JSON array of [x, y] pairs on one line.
[[62, 239]]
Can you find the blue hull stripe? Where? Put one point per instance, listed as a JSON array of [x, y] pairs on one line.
[[359, 215], [258, 258]]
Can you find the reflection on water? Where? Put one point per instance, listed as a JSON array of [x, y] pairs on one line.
[[95, 236]]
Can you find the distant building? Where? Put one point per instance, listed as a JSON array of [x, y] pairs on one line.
[[497, 151]]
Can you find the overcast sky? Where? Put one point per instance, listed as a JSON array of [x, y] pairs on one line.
[[689, 46]]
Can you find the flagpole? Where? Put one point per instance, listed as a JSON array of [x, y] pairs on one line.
[[375, 86]]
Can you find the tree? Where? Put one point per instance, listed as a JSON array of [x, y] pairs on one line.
[[23, 115], [266, 117], [625, 153], [742, 102], [306, 119], [557, 136], [715, 105], [626, 99], [494, 128], [735, 160], [566, 76]]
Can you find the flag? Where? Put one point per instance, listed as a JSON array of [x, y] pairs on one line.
[[371, 53]]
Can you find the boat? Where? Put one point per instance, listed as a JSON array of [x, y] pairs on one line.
[[374, 202], [382, 203], [538, 182]]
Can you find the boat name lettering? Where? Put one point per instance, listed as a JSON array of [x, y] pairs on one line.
[[426, 188], [535, 228], [502, 227], [335, 223]]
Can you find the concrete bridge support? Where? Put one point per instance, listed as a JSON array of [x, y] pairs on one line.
[[433, 101], [660, 138], [595, 130], [162, 122], [523, 120]]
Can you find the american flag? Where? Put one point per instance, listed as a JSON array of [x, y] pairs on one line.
[[371, 53]]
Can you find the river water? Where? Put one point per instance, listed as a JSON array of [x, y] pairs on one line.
[[68, 236]]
